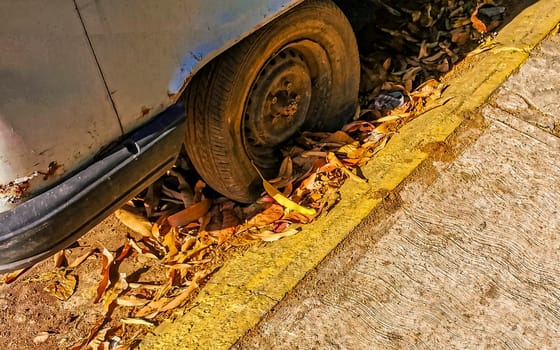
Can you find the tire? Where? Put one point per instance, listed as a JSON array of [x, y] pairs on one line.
[[300, 72]]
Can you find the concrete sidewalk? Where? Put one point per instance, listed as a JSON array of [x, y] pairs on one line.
[[468, 260], [253, 282]]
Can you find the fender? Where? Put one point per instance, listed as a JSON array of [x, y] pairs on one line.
[[148, 49], [78, 75]]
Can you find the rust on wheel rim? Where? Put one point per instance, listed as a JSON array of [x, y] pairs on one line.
[[277, 106]]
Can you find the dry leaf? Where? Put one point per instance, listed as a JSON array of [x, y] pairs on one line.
[[358, 125], [62, 286], [423, 52], [223, 235], [268, 216], [310, 154], [309, 182], [154, 305], [387, 63], [182, 297], [444, 66], [144, 285], [169, 241], [60, 259], [198, 187], [41, 337], [188, 244], [131, 301], [124, 252], [76, 262], [225, 224], [270, 236], [96, 343], [477, 23], [113, 293], [12, 276], [286, 168], [152, 198], [142, 251], [137, 321], [187, 193], [286, 202], [350, 151], [411, 73], [434, 58], [190, 214], [171, 195], [340, 137], [181, 266], [107, 258], [460, 36], [90, 336], [393, 117], [334, 160], [135, 222]]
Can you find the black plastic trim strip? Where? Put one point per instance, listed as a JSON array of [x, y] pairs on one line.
[[56, 218]]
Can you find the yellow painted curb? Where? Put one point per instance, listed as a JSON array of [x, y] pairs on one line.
[[249, 285]]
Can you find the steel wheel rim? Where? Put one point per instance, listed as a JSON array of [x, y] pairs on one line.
[[282, 99]]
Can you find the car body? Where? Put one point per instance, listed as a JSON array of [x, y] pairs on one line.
[[90, 108]]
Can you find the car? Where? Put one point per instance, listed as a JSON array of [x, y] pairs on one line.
[[98, 98]]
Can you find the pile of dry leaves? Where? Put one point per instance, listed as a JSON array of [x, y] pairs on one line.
[[420, 40], [177, 225]]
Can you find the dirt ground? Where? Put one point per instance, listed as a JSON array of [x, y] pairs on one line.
[[32, 317], [29, 312]]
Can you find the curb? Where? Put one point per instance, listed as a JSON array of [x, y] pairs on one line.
[[251, 284]]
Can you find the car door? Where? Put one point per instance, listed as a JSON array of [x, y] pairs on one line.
[[55, 112], [147, 49]]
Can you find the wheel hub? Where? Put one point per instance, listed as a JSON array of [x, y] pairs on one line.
[[278, 103]]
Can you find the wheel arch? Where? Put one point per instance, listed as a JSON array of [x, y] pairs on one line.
[[199, 57], [193, 63]]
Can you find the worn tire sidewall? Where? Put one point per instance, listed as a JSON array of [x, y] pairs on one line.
[[309, 21]]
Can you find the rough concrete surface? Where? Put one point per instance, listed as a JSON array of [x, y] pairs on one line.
[[533, 94], [470, 261]]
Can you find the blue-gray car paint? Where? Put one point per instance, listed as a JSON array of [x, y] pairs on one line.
[[76, 75], [148, 49]]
